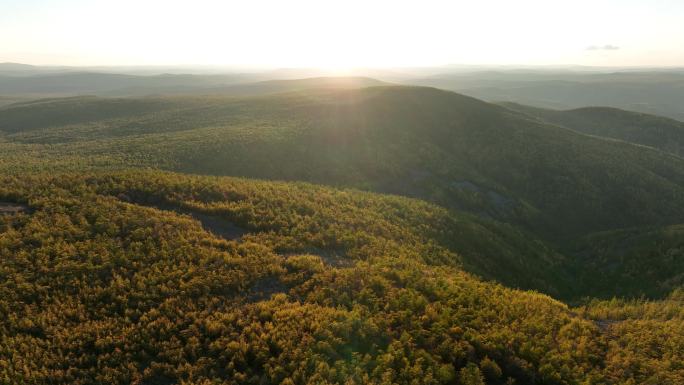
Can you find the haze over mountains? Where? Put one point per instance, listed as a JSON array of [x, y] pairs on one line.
[[274, 227], [648, 90], [639, 128], [656, 92]]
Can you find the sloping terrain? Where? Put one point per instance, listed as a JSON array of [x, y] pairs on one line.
[[664, 134], [613, 263], [421, 142], [538, 186], [98, 286]]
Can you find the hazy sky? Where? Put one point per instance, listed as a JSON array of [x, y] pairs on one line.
[[345, 33]]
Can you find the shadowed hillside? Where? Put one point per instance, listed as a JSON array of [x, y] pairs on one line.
[[649, 130]]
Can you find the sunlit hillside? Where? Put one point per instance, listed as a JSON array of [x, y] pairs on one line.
[[341, 192], [159, 278]]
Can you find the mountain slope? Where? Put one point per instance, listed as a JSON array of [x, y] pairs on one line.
[[322, 285], [613, 263], [649, 130], [545, 182], [419, 142]]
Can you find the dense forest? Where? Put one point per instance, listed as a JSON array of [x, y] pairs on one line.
[[339, 234], [122, 278], [341, 192], [547, 189]]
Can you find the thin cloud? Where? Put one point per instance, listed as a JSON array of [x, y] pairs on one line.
[[607, 47]]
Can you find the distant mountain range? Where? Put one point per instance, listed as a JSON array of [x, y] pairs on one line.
[[634, 127], [658, 91]]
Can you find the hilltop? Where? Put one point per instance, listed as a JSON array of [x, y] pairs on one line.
[[15, 67]]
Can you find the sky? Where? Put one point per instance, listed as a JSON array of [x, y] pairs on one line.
[[342, 34]]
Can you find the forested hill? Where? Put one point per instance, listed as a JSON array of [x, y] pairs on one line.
[[157, 278], [649, 130], [421, 142]]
